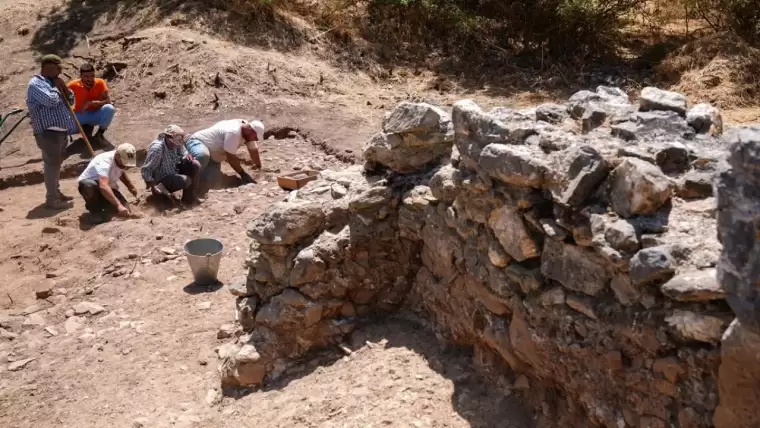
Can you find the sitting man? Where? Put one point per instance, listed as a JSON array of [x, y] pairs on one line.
[[99, 183], [169, 167], [92, 102], [220, 142]]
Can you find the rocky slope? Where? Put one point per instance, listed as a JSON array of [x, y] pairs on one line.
[[572, 247]]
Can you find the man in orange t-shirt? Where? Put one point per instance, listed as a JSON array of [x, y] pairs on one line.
[[92, 104]]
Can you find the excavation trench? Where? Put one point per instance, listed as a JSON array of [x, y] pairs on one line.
[[77, 159], [550, 247]]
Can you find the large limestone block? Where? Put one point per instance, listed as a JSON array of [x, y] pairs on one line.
[[649, 124], [658, 99], [606, 99], [576, 268], [575, 173], [445, 183], [692, 326], [414, 136], [695, 286], [638, 188], [508, 227], [512, 164], [289, 311], [418, 119], [241, 366], [389, 150], [307, 267], [705, 118], [287, 222], [471, 121], [652, 265], [738, 217], [551, 113]]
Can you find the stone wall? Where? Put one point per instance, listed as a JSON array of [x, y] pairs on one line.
[[738, 203], [572, 247]]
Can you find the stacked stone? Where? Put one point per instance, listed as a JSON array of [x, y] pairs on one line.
[[328, 254], [739, 272], [577, 243], [574, 244]]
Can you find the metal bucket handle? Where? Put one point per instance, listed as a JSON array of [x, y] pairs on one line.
[[208, 260]]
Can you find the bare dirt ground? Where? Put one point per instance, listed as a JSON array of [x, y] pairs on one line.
[[144, 354], [140, 351]]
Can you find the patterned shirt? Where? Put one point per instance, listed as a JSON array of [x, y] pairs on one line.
[[161, 160], [46, 108]]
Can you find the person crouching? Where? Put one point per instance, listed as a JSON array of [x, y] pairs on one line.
[[219, 143], [99, 183], [169, 165]]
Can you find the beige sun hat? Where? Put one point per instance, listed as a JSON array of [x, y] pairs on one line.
[[127, 155]]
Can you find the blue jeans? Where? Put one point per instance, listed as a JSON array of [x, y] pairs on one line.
[[100, 118], [211, 171]]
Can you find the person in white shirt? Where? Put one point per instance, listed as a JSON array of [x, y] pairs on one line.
[[99, 183], [219, 143]]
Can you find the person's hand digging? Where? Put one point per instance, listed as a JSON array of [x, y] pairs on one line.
[[122, 211], [247, 179]]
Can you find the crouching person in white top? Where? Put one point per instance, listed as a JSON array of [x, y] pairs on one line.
[[99, 183], [219, 143]]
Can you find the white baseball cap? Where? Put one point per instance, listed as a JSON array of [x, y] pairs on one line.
[[127, 155], [258, 126]]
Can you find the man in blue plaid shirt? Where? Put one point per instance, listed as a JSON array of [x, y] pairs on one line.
[[52, 124], [169, 168]]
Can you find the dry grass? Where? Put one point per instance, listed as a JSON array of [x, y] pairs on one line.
[[391, 43], [693, 59], [720, 68]]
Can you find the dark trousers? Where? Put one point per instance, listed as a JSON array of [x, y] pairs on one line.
[[94, 200], [186, 179], [52, 144]]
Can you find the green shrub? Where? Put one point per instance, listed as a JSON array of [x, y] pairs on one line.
[[742, 17], [553, 28]]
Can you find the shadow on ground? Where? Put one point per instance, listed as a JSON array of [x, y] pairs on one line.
[[79, 148], [65, 27], [41, 211], [477, 400], [193, 288]]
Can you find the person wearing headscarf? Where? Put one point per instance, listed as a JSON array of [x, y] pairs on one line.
[[169, 168]]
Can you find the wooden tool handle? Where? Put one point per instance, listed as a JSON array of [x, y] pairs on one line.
[[79, 125]]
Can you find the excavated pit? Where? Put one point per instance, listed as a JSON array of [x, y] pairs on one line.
[[572, 249], [74, 163], [77, 158]]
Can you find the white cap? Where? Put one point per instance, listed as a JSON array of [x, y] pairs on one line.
[[258, 126], [127, 155]]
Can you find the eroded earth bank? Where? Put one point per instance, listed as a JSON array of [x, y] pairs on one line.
[[575, 249]]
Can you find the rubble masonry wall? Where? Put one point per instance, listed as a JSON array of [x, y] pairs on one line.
[[574, 248]]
